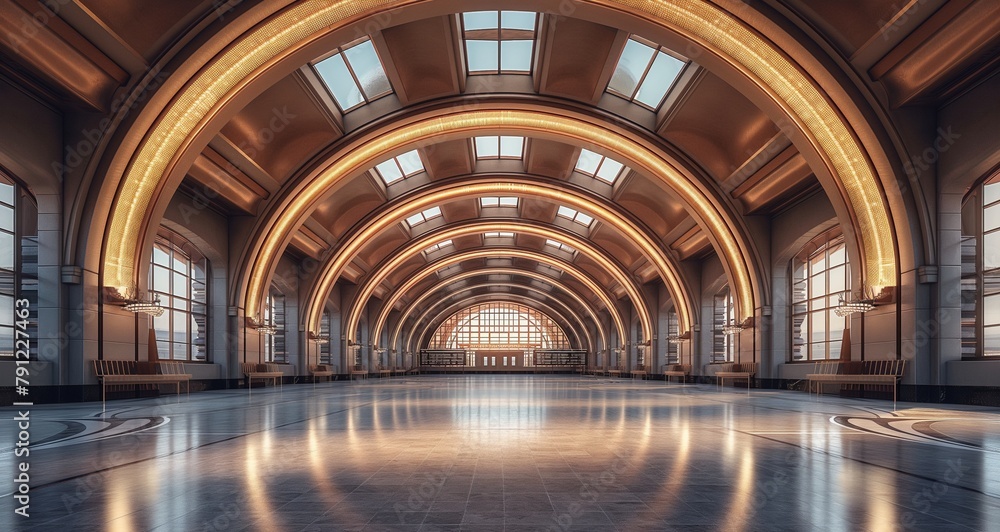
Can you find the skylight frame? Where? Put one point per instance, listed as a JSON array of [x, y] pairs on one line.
[[497, 235], [566, 248], [399, 166], [341, 51], [500, 142], [439, 246], [657, 50], [575, 216], [423, 216], [499, 202], [499, 35], [598, 172]]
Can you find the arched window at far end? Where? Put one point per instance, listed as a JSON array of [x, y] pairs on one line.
[[179, 275]]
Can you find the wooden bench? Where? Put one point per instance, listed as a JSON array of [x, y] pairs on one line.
[[252, 370], [360, 371], [736, 371], [124, 372], [323, 370], [640, 371], [613, 371], [384, 371], [676, 370], [866, 372]]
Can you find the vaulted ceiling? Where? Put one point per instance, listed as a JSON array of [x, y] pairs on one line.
[[89, 49]]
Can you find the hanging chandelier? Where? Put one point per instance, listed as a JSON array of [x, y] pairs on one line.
[[262, 326], [135, 300], [859, 303]]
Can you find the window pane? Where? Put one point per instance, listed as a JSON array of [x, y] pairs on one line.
[[334, 73], [991, 250], [6, 310], [389, 171], [410, 161], [991, 310], [181, 286], [487, 147], [817, 324], [161, 279], [415, 219], [368, 68], [482, 55], [432, 212], [7, 251], [480, 20], [7, 193], [609, 170], [508, 202], [991, 193], [817, 286], [818, 263], [991, 341], [635, 57], [991, 218], [511, 146], [838, 255], [566, 212], [489, 202], [588, 162], [181, 351], [584, 219], [516, 56], [659, 79], [517, 20], [837, 279], [160, 256], [7, 218]]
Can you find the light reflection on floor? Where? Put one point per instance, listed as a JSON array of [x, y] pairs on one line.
[[508, 452]]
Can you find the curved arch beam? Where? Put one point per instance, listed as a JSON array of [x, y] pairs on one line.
[[540, 257], [383, 316], [464, 302], [534, 303], [415, 247], [699, 20], [606, 213]]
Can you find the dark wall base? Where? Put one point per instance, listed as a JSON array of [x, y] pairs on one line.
[[960, 395]]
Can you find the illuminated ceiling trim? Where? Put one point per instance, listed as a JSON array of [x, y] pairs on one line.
[[350, 247], [495, 252], [416, 246], [389, 304], [534, 303], [699, 20], [472, 299]]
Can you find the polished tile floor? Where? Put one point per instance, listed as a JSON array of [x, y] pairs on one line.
[[506, 452]]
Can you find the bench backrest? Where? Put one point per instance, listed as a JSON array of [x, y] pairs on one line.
[[686, 368], [114, 367], [827, 367], [883, 367], [746, 367], [171, 368]]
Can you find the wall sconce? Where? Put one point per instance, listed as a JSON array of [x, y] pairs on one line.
[[262, 326], [861, 301], [319, 338], [135, 300]]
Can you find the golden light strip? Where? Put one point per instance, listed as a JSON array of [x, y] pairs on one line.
[[697, 19], [331, 271], [532, 303], [415, 247], [494, 297], [355, 315], [383, 316]]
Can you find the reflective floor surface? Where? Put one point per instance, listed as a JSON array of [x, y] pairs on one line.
[[505, 452]]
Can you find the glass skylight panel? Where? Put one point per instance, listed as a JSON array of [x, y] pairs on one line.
[[399, 167], [599, 166], [644, 74], [423, 216], [494, 201], [354, 75], [439, 246], [498, 234], [499, 147], [559, 245], [499, 41], [575, 215]]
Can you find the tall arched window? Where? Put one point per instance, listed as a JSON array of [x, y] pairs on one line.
[[325, 349], [179, 275], [673, 329], [18, 267], [820, 277], [723, 314], [981, 271], [274, 314], [499, 325]]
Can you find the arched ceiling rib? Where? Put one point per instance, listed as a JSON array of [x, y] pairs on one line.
[[451, 280], [537, 298], [511, 185], [705, 23]]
